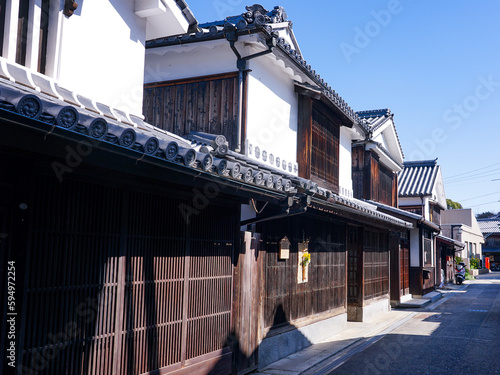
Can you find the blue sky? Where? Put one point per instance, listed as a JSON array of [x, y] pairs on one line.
[[435, 64]]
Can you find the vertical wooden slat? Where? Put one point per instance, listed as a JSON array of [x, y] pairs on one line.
[[304, 142], [285, 300], [206, 104]]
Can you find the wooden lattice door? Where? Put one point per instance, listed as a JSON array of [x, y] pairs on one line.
[[118, 282]]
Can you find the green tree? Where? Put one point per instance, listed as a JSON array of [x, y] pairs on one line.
[[453, 205]]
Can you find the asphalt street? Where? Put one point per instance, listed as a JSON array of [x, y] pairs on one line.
[[458, 335]]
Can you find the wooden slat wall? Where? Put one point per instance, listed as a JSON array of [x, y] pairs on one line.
[[304, 140], [358, 168], [385, 186], [371, 180], [120, 284], [154, 284], [286, 300], [72, 285], [355, 265], [210, 281], [207, 104], [376, 264], [325, 149], [374, 176]]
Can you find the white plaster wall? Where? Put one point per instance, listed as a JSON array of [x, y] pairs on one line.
[[345, 162], [380, 138], [415, 260], [102, 53], [438, 191], [403, 201], [272, 111], [469, 235], [189, 60], [415, 201]]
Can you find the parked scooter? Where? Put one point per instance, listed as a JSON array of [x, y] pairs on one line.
[[460, 273]]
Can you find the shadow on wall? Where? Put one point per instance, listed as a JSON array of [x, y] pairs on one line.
[[279, 343]]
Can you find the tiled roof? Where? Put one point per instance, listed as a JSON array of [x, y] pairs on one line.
[[193, 23], [450, 241], [417, 178], [361, 208], [203, 154], [408, 215], [373, 119], [489, 226], [257, 19], [490, 250]]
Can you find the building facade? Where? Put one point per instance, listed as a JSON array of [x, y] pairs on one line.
[[490, 228], [461, 225], [217, 236], [421, 191], [244, 77]]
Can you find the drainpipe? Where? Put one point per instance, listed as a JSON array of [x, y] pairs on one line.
[[232, 37]]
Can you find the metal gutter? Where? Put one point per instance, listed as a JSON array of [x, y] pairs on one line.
[[419, 219], [231, 36], [451, 240], [342, 204]]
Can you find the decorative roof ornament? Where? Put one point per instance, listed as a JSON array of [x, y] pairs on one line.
[[258, 15], [278, 14]]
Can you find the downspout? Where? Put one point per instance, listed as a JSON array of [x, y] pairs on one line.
[[241, 63]]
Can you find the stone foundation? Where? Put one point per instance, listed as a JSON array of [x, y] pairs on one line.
[[282, 345]]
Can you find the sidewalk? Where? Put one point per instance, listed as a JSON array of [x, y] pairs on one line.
[[322, 358]]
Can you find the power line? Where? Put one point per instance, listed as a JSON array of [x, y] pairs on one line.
[[475, 170], [480, 196], [482, 204], [472, 176], [461, 183]]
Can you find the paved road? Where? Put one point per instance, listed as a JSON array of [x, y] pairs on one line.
[[458, 336]]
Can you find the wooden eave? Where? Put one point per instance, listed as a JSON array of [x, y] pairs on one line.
[[315, 93]]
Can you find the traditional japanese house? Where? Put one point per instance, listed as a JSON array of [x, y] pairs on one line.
[[376, 161], [447, 249], [461, 225], [490, 227], [245, 78], [186, 243], [421, 192]]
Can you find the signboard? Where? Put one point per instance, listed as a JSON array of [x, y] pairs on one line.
[[284, 248]]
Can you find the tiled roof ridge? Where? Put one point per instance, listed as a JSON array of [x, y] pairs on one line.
[[374, 113], [215, 30], [378, 113], [421, 163], [203, 155], [255, 14]]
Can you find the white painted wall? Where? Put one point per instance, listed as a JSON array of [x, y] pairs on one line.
[[345, 162], [102, 53], [415, 201], [272, 113], [98, 52], [190, 60], [438, 192], [380, 138]]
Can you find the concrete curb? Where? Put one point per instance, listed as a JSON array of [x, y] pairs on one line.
[[330, 364]]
